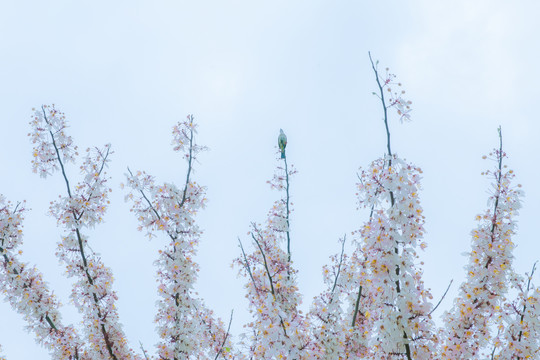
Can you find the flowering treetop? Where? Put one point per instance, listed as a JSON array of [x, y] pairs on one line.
[[375, 304], [188, 330], [479, 305]]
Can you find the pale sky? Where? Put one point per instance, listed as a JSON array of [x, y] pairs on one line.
[[125, 72]]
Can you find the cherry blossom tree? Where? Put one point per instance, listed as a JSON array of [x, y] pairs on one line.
[[375, 304]]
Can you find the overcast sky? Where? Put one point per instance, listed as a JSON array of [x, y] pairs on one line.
[[124, 72]]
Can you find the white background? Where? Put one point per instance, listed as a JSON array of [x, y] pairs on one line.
[[125, 71]]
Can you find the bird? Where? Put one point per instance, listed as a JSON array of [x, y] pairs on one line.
[[282, 142]]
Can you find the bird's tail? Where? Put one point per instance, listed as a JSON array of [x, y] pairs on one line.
[[283, 154]]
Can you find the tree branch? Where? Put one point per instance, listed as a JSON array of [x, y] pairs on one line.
[[190, 159], [392, 199], [226, 335], [383, 104], [340, 262], [57, 153], [248, 268], [357, 305], [269, 278], [525, 303], [439, 303], [287, 203], [81, 249], [143, 351]]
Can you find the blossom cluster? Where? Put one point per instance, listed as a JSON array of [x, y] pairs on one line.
[[519, 326], [51, 141], [24, 288], [279, 330], [87, 204], [481, 298], [82, 207], [182, 141], [396, 100], [338, 333], [394, 299], [188, 330], [165, 207]]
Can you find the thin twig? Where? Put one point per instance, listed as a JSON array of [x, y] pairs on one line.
[[97, 177], [226, 335], [340, 262], [495, 346], [57, 153], [248, 268], [288, 224], [439, 303], [190, 159], [171, 235], [143, 351], [499, 174], [383, 104], [265, 265]]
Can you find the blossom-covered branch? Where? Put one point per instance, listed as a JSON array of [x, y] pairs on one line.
[[397, 303], [520, 322], [83, 207], [279, 328], [338, 330], [24, 288], [468, 332], [403, 107], [188, 330]]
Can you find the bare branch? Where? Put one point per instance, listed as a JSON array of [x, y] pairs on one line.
[[439, 303], [383, 104]]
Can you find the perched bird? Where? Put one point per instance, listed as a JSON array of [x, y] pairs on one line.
[[282, 142]]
